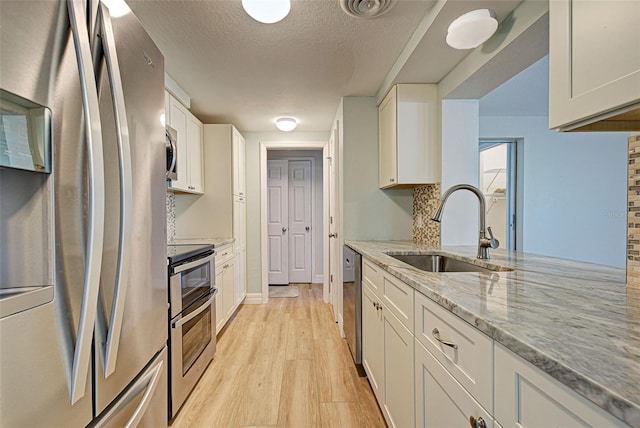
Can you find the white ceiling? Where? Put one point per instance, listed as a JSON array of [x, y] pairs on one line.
[[239, 71]]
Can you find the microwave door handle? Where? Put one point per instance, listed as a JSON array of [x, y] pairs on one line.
[[173, 157], [95, 230], [194, 314], [109, 348], [198, 262]]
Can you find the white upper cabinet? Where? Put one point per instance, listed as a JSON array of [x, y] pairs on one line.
[[594, 65], [238, 155], [189, 130], [409, 152]]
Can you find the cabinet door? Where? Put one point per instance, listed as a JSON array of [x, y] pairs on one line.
[[527, 397], [372, 349], [594, 59], [178, 121], [194, 142], [387, 125], [440, 400], [228, 285], [398, 371], [240, 275], [238, 155], [220, 314], [239, 222]]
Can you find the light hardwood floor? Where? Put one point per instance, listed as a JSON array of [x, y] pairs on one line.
[[282, 364]]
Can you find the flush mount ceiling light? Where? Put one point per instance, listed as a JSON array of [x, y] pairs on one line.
[[286, 124], [366, 8], [267, 11], [472, 29]]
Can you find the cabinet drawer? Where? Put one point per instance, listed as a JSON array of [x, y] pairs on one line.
[[528, 397], [372, 273], [440, 400], [398, 297], [471, 363], [223, 255]]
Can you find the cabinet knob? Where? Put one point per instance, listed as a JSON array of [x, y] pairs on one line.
[[477, 423], [391, 180]]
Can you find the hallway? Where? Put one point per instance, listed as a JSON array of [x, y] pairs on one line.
[[282, 364]]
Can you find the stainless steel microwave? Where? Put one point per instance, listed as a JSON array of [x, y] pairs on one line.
[[171, 136]]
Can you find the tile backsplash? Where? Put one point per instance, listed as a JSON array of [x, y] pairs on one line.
[[171, 217], [425, 202], [633, 214]]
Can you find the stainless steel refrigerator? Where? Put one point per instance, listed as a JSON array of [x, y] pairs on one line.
[[83, 286]]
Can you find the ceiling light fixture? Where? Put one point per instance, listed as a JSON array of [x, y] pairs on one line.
[[472, 29], [267, 11], [286, 124]]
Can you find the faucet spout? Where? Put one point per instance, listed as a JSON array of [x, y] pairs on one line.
[[484, 243]]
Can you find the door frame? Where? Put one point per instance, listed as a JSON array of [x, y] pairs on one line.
[[290, 145]]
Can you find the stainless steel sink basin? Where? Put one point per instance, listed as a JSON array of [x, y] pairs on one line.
[[439, 263]]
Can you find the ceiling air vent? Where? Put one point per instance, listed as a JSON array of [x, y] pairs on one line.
[[366, 8]]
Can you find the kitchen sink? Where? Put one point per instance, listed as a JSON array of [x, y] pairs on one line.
[[439, 263]]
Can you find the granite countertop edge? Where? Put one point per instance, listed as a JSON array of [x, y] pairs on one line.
[[216, 242], [603, 396]]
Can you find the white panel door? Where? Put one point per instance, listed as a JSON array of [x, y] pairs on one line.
[[277, 221], [300, 221]]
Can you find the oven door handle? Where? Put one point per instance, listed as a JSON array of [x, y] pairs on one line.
[[200, 310], [187, 266]]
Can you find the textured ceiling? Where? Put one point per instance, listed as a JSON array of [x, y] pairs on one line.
[[239, 71]]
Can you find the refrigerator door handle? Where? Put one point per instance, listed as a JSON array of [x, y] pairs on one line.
[[109, 348], [148, 383], [95, 230]]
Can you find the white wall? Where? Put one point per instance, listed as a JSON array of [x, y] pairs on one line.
[[318, 234], [460, 166], [252, 141], [575, 189], [368, 212]]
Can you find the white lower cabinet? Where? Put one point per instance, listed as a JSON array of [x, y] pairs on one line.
[[225, 283], [527, 397], [440, 400], [240, 280], [388, 358], [436, 370], [372, 357]]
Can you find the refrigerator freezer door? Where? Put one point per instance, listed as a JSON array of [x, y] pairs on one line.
[[144, 402], [144, 311]]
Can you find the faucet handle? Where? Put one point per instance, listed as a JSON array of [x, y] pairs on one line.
[[493, 242]]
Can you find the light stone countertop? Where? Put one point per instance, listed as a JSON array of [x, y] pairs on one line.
[[576, 321], [216, 242]]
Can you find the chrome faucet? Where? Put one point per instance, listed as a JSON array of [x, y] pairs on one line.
[[484, 243]]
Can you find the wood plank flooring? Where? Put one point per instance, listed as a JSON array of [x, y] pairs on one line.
[[282, 365]]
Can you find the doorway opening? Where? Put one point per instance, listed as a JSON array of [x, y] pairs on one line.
[[498, 182], [294, 208], [294, 212]]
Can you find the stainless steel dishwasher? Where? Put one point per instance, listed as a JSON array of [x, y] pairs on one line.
[[352, 304]]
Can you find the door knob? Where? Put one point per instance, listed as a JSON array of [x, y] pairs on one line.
[[307, 228], [333, 235], [284, 230]]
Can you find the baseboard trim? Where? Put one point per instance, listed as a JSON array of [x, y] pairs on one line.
[[253, 299], [318, 279]]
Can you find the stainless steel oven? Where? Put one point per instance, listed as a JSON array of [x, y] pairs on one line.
[[192, 325]]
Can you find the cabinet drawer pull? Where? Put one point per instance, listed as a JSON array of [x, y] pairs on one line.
[[477, 423], [436, 335]]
